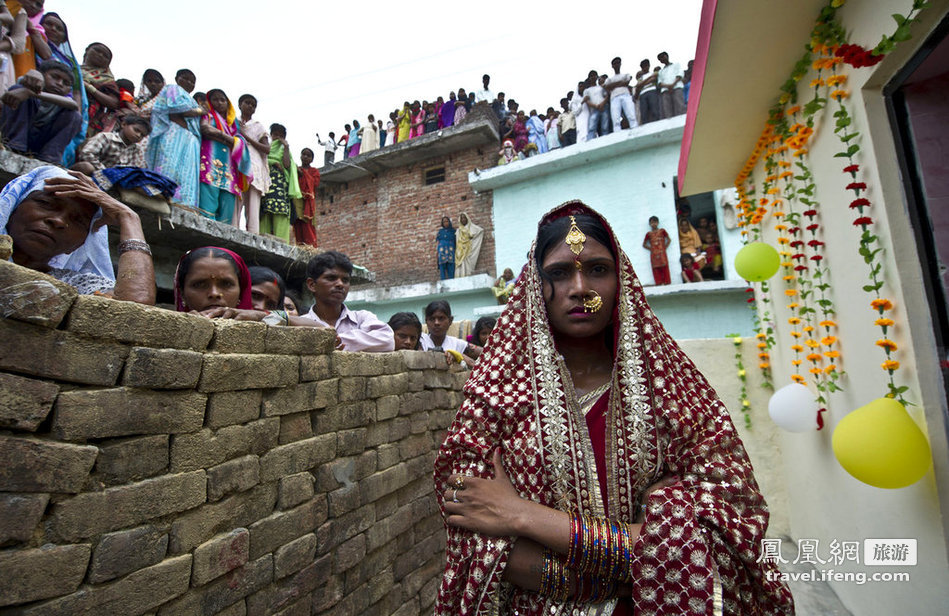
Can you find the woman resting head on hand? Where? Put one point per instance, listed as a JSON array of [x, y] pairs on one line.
[[591, 468], [214, 282], [58, 222]]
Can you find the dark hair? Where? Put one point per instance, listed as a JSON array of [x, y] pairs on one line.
[[244, 97], [206, 252], [102, 45], [259, 274], [54, 65], [644, 61], [401, 319], [556, 230], [438, 304], [125, 84], [297, 300], [153, 72], [132, 118], [485, 76], [686, 257], [482, 324], [280, 129], [652, 218], [200, 96], [615, 59], [216, 91], [185, 71], [331, 259], [441, 223], [307, 150]]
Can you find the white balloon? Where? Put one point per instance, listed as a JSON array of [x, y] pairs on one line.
[[794, 408]]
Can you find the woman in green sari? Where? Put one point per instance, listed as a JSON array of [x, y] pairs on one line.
[[276, 205]]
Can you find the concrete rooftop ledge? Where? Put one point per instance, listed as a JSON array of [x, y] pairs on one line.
[[480, 127], [447, 288], [608, 146], [693, 288]]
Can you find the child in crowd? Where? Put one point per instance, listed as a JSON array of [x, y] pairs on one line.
[[259, 147], [121, 149], [438, 319], [407, 329], [41, 122], [708, 233], [567, 124], [225, 161], [656, 242], [275, 206], [293, 303], [689, 241], [304, 227], [267, 288], [691, 272], [482, 329], [202, 99], [127, 103]]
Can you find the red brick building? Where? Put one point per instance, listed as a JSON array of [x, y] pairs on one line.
[[384, 208]]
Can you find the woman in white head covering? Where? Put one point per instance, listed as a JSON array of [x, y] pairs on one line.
[[57, 220]]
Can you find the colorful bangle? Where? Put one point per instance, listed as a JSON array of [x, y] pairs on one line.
[[137, 245]]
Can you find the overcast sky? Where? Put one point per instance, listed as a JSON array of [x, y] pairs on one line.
[[318, 64]]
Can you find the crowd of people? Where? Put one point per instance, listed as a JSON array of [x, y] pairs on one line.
[[197, 149], [600, 105]]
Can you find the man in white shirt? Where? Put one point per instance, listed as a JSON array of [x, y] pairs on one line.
[[438, 319], [329, 148], [328, 277], [580, 111], [484, 95], [646, 94], [596, 99], [621, 99], [671, 82]]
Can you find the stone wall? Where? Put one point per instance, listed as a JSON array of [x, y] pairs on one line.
[[159, 463]]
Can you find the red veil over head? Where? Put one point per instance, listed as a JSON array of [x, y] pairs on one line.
[[243, 277], [700, 543]]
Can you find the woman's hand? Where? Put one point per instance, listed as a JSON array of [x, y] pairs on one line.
[[238, 314], [486, 506], [81, 186], [665, 482]]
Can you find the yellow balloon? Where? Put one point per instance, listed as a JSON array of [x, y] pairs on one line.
[[882, 446], [757, 261]]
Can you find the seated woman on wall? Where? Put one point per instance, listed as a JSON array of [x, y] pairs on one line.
[[215, 283], [57, 220]]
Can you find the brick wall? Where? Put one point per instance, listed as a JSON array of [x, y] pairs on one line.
[[161, 463], [388, 223]]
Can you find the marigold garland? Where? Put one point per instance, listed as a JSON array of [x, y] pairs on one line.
[[805, 274]]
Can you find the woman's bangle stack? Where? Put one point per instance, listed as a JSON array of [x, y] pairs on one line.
[[599, 559]]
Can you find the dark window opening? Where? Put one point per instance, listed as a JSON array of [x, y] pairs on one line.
[[434, 176]]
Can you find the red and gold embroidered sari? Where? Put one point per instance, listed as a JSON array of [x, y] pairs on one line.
[[699, 548]]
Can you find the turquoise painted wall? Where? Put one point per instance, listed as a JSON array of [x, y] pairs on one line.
[[626, 189]]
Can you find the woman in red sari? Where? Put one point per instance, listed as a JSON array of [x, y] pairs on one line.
[[304, 227], [591, 468]]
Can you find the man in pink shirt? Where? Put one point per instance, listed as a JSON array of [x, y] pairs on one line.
[[328, 277]]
